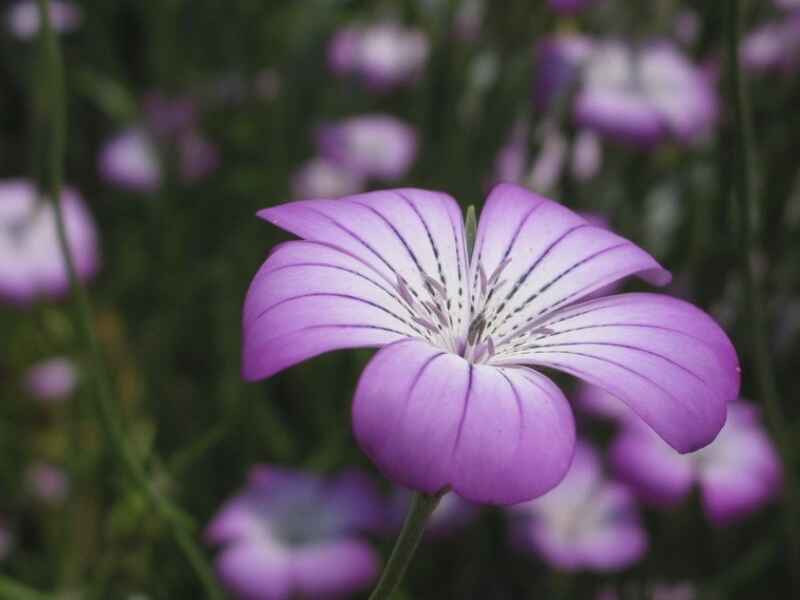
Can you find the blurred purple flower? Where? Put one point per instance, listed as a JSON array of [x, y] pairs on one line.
[[452, 513], [31, 265], [645, 96], [559, 59], [292, 534], [549, 162], [391, 269], [512, 160], [570, 7], [130, 160], [787, 4], [6, 538], [51, 380], [774, 46], [686, 26], [657, 591], [197, 156], [586, 522], [169, 116], [587, 155], [372, 145], [738, 473], [322, 178], [468, 19], [47, 483], [23, 17], [383, 55]]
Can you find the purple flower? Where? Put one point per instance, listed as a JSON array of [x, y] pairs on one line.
[[558, 65], [512, 160], [451, 400], [52, 380], [657, 591], [23, 17], [130, 160], [645, 96], [383, 55], [6, 539], [198, 157], [322, 178], [586, 522], [47, 483], [738, 473], [787, 4], [587, 155], [169, 116], [569, 7], [290, 534], [31, 264], [373, 145], [774, 46]]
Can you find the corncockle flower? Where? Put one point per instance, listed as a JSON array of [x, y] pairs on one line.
[[322, 178], [787, 4], [548, 164], [452, 400], [774, 46], [452, 513], [384, 55], [372, 145], [291, 534], [51, 381], [570, 6], [512, 160], [47, 483], [197, 156], [587, 155], [169, 116], [130, 160], [31, 264], [686, 27], [6, 539], [738, 473], [559, 59], [645, 95], [23, 17], [657, 591], [586, 522], [469, 18]]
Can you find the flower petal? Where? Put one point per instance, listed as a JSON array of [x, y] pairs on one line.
[[333, 569], [656, 473], [667, 360], [341, 289], [254, 570], [430, 419], [557, 257]]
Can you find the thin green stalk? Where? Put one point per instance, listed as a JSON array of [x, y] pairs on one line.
[[422, 506], [54, 96], [745, 197]]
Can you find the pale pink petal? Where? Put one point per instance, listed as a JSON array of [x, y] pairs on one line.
[[431, 420], [333, 569], [557, 257], [667, 360]]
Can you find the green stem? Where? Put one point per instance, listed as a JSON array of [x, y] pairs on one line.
[[744, 193], [53, 95], [422, 506]]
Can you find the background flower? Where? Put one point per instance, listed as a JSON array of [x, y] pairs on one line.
[[586, 522], [290, 533], [31, 265]]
